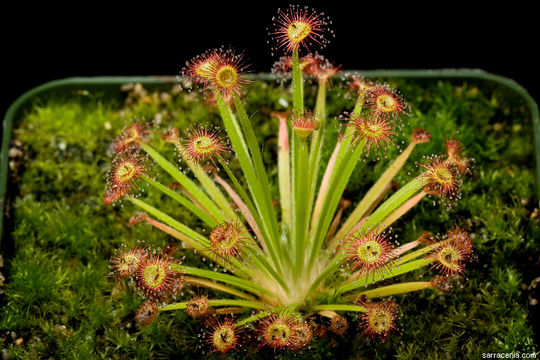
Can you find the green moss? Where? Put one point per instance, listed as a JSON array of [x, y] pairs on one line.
[[61, 302]]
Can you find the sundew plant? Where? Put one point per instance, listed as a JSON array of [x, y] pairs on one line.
[[283, 272]]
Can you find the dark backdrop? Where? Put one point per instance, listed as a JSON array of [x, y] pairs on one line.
[[42, 44]]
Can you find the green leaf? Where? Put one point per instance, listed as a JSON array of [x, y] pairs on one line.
[[183, 201], [374, 193], [339, 307], [298, 84], [228, 279], [210, 187], [189, 185], [242, 152], [368, 279], [195, 240], [218, 302]]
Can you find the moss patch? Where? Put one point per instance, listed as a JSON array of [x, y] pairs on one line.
[[58, 297]]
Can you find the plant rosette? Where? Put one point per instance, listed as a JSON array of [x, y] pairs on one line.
[[287, 267]]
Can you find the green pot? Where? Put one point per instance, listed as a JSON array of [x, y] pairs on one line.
[[111, 86], [516, 100]]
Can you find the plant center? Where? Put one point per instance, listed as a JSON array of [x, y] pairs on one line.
[[369, 251], [380, 321], [302, 333], [154, 274], [386, 103], [197, 307], [128, 262], [372, 130], [204, 145], [133, 134], [225, 242], [298, 31], [223, 337], [227, 77], [449, 257], [279, 333], [126, 172], [443, 176]]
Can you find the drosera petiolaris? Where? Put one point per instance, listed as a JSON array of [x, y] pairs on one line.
[[58, 301], [279, 263]]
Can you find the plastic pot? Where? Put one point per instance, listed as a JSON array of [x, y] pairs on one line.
[[111, 87]]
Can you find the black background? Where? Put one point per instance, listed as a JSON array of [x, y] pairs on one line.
[[42, 44]]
